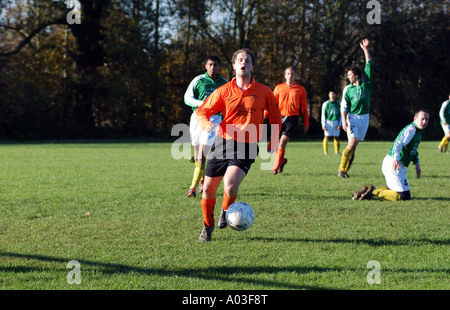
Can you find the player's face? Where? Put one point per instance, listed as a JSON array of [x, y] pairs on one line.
[[421, 120], [351, 76], [212, 68], [243, 65], [289, 75], [332, 96]]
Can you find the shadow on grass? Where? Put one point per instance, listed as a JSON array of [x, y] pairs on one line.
[[225, 273], [372, 242]]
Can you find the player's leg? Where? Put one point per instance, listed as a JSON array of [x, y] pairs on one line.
[[443, 146], [347, 156], [336, 145], [325, 145], [195, 133], [208, 204], [197, 173], [231, 181]]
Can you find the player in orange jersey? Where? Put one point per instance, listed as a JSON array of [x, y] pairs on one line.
[[292, 100], [242, 102]]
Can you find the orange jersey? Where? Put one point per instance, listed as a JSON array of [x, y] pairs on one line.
[[243, 111], [292, 101]]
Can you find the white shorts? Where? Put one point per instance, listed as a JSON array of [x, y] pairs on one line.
[[357, 126], [200, 136], [331, 128], [395, 180], [446, 128]]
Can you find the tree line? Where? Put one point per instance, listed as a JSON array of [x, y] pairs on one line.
[[122, 71]]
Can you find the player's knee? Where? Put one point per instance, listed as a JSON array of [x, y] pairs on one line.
[[406, 195]]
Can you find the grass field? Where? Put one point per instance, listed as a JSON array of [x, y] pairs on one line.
[[120, 210]]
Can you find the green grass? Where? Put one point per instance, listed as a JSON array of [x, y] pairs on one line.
[[120, 210]]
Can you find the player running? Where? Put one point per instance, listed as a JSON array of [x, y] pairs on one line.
[[355, 107], [292, 100], [444, 116], [242, 101], [198, 90]]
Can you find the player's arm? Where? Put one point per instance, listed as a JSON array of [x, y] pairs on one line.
[[418, 171], [399, 143], [190, 97], [364, 44], [340, 121], [344, 107], [212, 105], [415, 160], [322, 115], [304, 111], [274, 117], [442, 112]]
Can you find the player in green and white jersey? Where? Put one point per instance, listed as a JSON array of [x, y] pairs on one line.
[[198, 90], [444, 116], [331, 122], [355, 107], [404, 150]]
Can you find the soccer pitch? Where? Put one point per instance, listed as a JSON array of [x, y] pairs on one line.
[[119, 213]]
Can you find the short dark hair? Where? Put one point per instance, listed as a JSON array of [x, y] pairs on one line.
[[290, 67], [421, 110], [245, 50], [357, 71], [213, 58]]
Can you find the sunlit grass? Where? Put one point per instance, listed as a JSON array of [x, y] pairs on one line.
[[120, 210]]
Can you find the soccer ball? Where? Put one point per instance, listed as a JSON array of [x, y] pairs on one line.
[[240, 216]]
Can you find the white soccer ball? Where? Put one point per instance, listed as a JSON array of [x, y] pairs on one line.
[[240, 216]]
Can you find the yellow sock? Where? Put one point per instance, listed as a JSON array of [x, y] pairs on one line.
[[443, 141], [325, 145], [346, 154], [197, 175], [351, 156], [378, 190], [202, 170], [446, 145], [389, 195], [336, 146]]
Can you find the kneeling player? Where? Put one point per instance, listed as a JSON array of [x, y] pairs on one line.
[[396, 162]]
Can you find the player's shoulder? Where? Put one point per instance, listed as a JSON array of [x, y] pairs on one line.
[[197, 79]]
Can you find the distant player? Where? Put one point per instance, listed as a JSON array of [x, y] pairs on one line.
[[331, 122], [198, 90], [404, 150], [355, 108], [291, 97], [243, 102], [444, 116]]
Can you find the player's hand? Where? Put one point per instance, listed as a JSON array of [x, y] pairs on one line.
[[344, 126], [211, 127], [269, 148], [418, 171], [364, 44], [396, 165]]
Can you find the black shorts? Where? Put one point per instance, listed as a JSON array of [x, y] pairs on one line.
[[289, 126], [225, 153]]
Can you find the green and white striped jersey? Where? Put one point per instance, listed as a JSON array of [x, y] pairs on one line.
[[356, 99], [404, 148], [444, 112], [200, 88]]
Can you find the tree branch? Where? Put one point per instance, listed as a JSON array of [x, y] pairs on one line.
[[59, 21]]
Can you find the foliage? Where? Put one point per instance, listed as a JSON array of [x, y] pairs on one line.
[[123, 71]]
